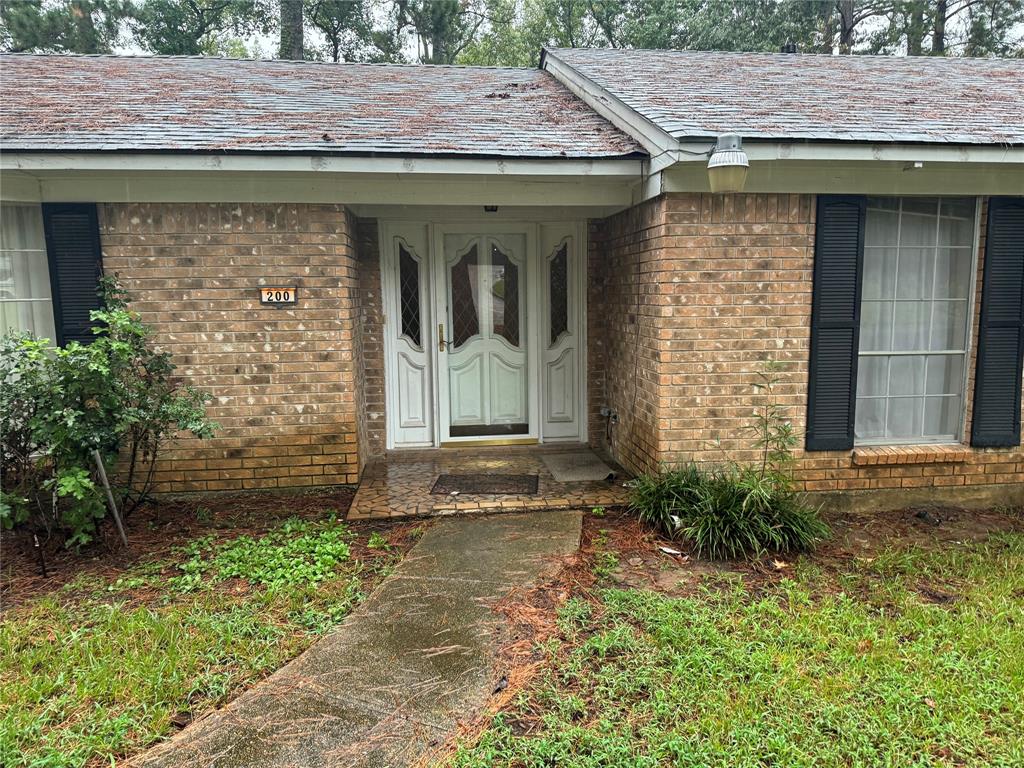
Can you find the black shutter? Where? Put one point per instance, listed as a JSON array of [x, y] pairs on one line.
[[73, 248], [835, 322], [997, 378]]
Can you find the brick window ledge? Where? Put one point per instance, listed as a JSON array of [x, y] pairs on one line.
[[910, 454]]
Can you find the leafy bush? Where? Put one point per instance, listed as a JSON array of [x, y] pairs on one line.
[[734, 510], [115, 395]]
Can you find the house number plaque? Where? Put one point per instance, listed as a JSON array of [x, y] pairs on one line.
[[278, 295]]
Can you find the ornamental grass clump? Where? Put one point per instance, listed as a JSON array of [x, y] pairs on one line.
[[734, 510]]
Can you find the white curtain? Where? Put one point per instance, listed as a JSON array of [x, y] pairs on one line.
[[25, 301], [918, 265]]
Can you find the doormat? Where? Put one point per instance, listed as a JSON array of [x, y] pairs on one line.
[[517, 485]]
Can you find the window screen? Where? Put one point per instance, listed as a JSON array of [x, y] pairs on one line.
[[915, 303], [25, 299]]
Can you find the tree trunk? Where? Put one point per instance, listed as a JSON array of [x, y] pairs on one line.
[[915, 31], [291, 30], [846, 25], [87, 41], [939, 31]]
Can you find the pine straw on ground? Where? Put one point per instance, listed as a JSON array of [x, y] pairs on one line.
[[532, 615]]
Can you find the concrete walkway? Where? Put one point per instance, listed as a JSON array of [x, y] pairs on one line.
[[397, 676]]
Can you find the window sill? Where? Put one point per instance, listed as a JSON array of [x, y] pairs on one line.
[[910, 454]]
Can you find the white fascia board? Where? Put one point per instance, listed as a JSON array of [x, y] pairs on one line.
[[660, 144], [864, 178], [18, 186], [352, 189], [828, 152], [269, 164]]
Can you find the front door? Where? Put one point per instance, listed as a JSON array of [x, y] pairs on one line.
[[483, 337], [483, 332]]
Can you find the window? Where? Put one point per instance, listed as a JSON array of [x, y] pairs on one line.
[[558, 288], [25, 299], [915, 313], [409, 296]]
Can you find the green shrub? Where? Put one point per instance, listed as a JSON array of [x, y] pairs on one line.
[[115, 395], [734, 510]]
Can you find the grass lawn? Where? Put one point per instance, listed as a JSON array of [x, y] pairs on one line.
[[909, 653], [119, 657]]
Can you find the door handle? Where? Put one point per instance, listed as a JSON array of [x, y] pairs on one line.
[[440, 337]]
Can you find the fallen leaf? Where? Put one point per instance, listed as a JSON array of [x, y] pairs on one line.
[[670, 551], [780, 564], [930, 703]]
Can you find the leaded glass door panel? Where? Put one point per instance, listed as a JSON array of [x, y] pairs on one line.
[[482, 344]]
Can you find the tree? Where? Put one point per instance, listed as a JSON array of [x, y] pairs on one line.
[[443, 28], [346, 28], [995, 28], [67, 26], [193, 27], [291, 46]]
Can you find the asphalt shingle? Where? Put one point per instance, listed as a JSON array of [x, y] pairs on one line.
[[110, 103], [699, 95]]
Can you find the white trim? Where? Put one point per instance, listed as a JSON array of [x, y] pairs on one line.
[[654, 139], [595, 192], [885, 177], [140, 162]]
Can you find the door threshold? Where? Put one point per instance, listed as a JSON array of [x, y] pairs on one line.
[[495, 441]]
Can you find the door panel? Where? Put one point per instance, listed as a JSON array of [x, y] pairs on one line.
[[413, 403], [409, 388], [466, 379], [484, 360], [508, 391], [562, 331]]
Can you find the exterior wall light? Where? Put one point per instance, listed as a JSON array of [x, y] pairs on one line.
[[728, 164]]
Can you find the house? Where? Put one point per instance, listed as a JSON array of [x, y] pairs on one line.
[[466, 256]]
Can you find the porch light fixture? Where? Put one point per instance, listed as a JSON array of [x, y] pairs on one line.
[[728, 164]]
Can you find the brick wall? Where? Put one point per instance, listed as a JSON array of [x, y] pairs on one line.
[[693, 293], [283, 380], [370, 342], [628, 263]]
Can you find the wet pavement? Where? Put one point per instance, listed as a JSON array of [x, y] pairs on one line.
[[396, 678]]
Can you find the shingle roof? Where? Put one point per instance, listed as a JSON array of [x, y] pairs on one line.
[[800, 96], [91, 103]]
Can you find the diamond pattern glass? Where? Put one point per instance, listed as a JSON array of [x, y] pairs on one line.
[[504, 297], [558, 284], [409, 296], [465, 313]]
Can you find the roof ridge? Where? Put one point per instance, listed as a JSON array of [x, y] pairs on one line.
[[779, 54], [250, 60]]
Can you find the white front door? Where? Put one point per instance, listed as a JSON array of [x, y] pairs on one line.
[[483, 332]]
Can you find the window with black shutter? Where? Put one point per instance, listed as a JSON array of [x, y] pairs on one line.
[[73, 249], [997, 380]]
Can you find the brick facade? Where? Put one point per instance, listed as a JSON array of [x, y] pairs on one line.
[[690, 294], [283, 380], [370, 343]]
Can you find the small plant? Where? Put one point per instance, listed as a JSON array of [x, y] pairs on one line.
[[294, 554], [377, 541], [736, 510], [598, 511]]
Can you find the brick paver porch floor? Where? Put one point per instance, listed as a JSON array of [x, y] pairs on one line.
[[398, 485]]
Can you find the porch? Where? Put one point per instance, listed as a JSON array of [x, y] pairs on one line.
[[400, 483]]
